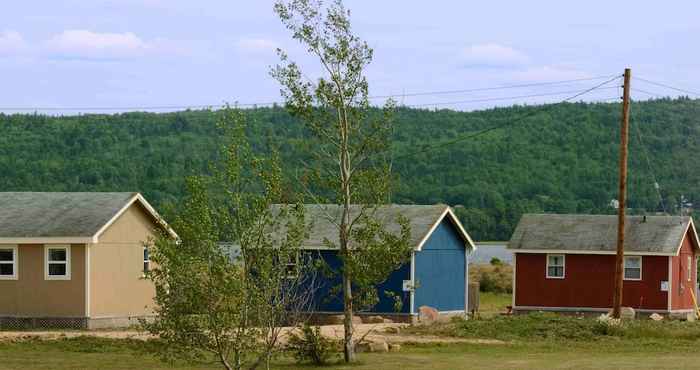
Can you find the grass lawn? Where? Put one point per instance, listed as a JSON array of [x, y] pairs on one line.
[[535, 341], [493, 303], [106, 354]]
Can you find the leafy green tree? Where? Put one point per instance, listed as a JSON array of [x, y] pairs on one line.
[[231, 300], [352, 165]]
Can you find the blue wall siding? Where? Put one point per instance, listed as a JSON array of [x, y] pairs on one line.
[[440, 270], [324, 301]]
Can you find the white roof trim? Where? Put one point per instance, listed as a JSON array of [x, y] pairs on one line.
[[46, 240], [149, 208], [685, 232], [573, 251], [455, 220]]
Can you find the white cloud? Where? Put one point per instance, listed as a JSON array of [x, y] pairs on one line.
[[256, 45], [493, 55], [12, 43], [93, 45]]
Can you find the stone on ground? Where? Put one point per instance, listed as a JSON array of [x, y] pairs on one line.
[[388, 321], [379, 347], [690, 316], [374, 320], [427, 315], [656, 317], [392, 330], [394, 347], [626, 313]]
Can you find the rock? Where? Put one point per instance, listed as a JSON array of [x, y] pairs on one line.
[[394, 347], [388, 321], [427, 315], [690, 316], [362, 347], [656, 317], [374, 320], [392, 330], [379, 347], [339, 319], [626, 313]]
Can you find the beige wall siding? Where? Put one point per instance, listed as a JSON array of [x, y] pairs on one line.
[[33, 296], [117, 287]]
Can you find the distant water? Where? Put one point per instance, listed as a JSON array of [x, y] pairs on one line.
[[486, 251]]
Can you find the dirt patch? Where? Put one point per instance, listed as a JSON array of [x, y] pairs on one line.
[[370, 332]]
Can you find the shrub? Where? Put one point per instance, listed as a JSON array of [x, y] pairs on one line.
[[310, 346], [495, 261], [494, 278]]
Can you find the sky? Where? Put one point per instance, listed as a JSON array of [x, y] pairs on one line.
[[80, 56]]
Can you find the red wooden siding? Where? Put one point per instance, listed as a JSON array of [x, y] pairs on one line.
[[681, 297], [588, 282]]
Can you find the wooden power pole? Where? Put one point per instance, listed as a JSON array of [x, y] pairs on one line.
[[619, 258]]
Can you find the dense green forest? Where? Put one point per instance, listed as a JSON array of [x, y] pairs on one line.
[[560, 158]]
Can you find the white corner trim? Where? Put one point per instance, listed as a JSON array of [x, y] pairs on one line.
[[149, 208], [670, 280], [67, 276], [15, 262], [413, 282], [515, 269], [455, 220], [87, 280]]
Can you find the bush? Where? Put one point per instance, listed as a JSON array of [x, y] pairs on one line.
[[493, 278], [311, 346], [495, 261]]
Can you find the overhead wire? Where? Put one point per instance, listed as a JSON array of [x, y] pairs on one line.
[[271, 103], [660, 84], [502, 125]]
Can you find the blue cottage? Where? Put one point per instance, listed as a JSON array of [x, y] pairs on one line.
[[436, 276]]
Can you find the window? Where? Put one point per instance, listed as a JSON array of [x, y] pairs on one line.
[[555, 266], [633, 268], [57, 262], [689, 269], [146, 261], [8, 262], [292, 267]]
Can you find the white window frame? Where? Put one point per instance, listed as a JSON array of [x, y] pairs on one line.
[[689, 268], [563, 266], [146, 261], [295, 264], [48, 247], [15, 258], [624, 267]]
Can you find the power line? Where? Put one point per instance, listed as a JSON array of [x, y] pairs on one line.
[[501, 98], [535, 84], [269, 103], [668, 86], [648, 161], [505, 124]]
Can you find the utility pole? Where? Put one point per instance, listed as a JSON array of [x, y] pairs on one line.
[[619, 258]]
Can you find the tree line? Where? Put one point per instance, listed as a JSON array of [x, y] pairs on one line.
[[562, 158]]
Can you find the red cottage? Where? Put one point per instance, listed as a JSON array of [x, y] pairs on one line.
[[566, 263]]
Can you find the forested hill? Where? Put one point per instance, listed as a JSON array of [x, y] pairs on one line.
[[561, 158]]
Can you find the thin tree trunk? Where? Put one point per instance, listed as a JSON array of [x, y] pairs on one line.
[[349, 349]]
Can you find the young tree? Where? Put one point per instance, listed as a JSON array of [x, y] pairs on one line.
[[353, 161], [230, 300]]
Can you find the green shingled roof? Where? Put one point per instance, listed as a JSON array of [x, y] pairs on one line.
[[598, 233], [27, 214], [323, 218]]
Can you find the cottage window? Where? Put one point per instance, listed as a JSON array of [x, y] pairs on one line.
[[146, 261], [8, 262], [555, 266], [633, 268], [57, 262], [689, 269], [292, 267]]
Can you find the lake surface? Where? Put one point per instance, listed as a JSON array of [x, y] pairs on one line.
[[486, 251]]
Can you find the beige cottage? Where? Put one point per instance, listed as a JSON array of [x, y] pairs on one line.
[[75, 259]]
